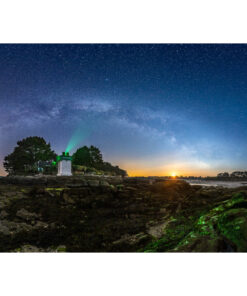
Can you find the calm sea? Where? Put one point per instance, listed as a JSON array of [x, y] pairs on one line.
[[230, 184]]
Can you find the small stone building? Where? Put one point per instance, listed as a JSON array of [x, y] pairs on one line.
[[64, 164]]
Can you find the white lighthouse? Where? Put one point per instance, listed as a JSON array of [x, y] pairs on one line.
[[64, 164]]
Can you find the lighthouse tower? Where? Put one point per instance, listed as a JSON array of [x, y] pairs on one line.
[[64, 164]]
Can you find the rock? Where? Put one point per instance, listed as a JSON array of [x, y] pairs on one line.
[[102, 217], [25, 215], [93, 183], [3, 214], [60, 249], [20, 227], [4, 228], [202, 244], [131, 188], [104, 183], [172, 190], [157, 231], [58, 181], [128, 241], [25, 180], [77, 185], [50, 193], [2, 204], [29, 249], [40, 225], [233, 225], [10, 227], [163, 210], [67, 198]]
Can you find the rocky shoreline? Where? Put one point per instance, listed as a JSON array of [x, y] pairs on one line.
[[97, 214]]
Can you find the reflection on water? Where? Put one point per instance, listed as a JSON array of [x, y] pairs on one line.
[[229, 184]]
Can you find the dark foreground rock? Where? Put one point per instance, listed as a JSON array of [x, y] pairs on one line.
[[100, 215]]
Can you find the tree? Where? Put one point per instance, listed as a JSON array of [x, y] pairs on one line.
[[27, 155], [82, 156], [96, 157], [92, 157], [115, 170]]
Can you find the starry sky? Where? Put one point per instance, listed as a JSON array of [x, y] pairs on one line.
[[152, 109]]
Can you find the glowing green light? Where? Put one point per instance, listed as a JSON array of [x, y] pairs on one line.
[[64, 156], [78, 137]]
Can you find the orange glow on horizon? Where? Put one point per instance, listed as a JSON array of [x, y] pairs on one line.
[[162, 173], [160, 168], [155, 168]]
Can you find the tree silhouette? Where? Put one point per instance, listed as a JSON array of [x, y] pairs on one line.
[[27, 154], [92, 157]]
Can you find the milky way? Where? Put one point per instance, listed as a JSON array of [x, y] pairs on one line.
[[151, 109]]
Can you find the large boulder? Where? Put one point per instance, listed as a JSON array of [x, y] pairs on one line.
[[172, 189]]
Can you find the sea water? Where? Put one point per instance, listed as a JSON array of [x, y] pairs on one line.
[[228, 184]]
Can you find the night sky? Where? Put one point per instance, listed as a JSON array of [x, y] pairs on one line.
[[151, 109]]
